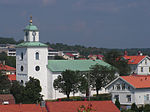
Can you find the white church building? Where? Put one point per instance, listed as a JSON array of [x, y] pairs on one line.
[[32, 61]]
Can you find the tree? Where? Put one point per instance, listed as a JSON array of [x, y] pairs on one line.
[[84, 83], [67, 82], [32, 91], [101, 76], [4, 84], [147, 108], [117, 103], [115, 59], [17, 90], [134, 108]]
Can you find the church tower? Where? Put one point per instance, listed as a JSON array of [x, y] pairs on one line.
[[31, 58]]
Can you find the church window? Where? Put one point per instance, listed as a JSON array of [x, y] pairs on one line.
[[21, 82], [22, 56], [21, 68], [37, 68], [37, 56]]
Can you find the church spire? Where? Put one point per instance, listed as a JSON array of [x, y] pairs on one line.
[[31, 20]]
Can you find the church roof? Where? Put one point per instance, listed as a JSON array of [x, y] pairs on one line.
[[31, 44], [80, 65], [31, 27]]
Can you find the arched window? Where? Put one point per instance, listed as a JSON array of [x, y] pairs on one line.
[[37, 68], [21, 82], [37, 56], [22, 56]]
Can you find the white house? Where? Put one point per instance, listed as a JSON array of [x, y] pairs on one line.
[[130, 89], [32, 61], [139, 64]]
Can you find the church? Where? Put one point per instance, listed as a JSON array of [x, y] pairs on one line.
[[32, 61]]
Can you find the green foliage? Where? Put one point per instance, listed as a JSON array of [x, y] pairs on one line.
[[4, 84], [7, 40], [17, 90], [101, 76], [134, 108], [114, 58], [28, 94], [147, 108], [67, 82], [32, 91], [117, 103], [84, 83], [10, 60]]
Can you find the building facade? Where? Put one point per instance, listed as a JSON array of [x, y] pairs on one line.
[[130, 89]]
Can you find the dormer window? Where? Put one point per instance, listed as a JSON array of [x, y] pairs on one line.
[[123, 86], [145, 61], [118, 86], [37, 56]]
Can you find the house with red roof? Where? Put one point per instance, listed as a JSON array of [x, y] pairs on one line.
[[72, 106], [139, 64], [9, 71], [7, 99], [130, 89]]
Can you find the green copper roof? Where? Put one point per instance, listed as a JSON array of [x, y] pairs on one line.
[[80, 65], [31, 27], [31, 44]]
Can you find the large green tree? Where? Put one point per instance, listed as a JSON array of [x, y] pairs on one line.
[[115, 59], [32, 91], [4, 84], [101, 76], [84, 83], [67, 82], [17, 90]]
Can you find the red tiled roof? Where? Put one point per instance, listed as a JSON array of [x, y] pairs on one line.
[[138, 81], [134, 59], [69, 54], [6, 67], [72, 106], [22, 108], [7, 97], [12, 77]]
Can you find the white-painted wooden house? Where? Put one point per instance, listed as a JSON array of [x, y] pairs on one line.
[[130, 89]]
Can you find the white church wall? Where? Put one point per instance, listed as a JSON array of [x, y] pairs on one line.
[[21, 74], [42, 63]]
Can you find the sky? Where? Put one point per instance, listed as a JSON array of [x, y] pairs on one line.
[[92, 23]]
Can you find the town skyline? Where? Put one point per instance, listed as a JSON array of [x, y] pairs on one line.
[[100, 23]]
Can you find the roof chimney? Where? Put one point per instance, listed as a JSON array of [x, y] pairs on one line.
[[125, 53], [139, 53]]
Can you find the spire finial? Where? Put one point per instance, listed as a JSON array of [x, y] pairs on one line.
[[30, 19]]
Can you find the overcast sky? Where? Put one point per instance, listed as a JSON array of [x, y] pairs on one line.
[[99, 23]]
